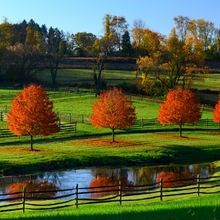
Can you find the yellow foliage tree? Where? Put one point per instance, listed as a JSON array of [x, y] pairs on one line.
[[176, 61]]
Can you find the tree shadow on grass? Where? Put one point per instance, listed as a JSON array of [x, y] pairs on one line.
[[181, 153]]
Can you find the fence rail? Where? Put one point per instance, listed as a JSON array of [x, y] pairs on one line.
[[71, 126], [68, 122], [117, 193], [141, 122]]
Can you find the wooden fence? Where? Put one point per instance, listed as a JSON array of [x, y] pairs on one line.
[[63, 128], [154, 122], [82, 118], [117, 193]]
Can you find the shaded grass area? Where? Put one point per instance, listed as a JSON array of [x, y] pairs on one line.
[[211, 81], [79, 77], [195, 208], [133, 149]]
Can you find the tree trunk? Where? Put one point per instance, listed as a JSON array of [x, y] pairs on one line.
[[32, 143], [113, 135], [53, 76], [180, 129]]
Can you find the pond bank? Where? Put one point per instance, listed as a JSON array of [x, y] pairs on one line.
[[129, 150]]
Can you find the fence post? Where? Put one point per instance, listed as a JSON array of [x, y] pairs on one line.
[[142, 122], [70, 117], [23, 198], [120, 192], [75, 126], [82, 118], [206, 122], [161, 189], [198, 185], [76, 197]]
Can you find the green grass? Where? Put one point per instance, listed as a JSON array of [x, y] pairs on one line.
[[75, 103], [118, 77], [211, 82], [138, 149], [207, 208], [85, 76], [152, 151], [81, 104]]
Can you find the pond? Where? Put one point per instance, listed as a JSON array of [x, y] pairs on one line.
[[92, 177]]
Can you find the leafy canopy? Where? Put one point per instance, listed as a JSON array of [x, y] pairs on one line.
[[113, 110], [180, 107], [32, 113], [216, 114]]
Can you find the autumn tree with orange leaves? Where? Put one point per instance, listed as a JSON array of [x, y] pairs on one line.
[[216, 113], [113, 110], [180, 107], [32, 114]]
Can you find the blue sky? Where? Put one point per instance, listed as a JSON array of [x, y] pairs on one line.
[[86, 15]]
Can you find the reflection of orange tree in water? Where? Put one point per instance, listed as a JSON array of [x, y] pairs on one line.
[[172, 179], [113, 184], [33, 187], [183, 173]]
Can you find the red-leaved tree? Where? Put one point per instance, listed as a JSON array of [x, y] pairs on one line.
[[216, 113], [113, 110], [180, 107], [32, 114]]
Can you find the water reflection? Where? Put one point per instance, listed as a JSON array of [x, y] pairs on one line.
[[108, 176], [107, 181], [32, 186], [172, 179]]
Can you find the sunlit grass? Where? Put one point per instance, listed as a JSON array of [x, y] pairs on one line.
[[132, 149], [207, 207]]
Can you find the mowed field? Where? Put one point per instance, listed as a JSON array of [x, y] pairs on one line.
[[79, 77], [79, 105]]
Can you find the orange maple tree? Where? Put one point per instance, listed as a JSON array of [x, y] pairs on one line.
[[216, 113], [180, 107], [113, 110], [32, 114]]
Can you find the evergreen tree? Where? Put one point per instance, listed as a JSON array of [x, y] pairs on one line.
[[126, 44]]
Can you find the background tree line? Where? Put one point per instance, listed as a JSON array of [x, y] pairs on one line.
[[24, 45]]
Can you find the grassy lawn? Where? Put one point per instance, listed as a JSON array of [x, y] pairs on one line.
[[129, 149], [66, 102], [81, 104], [207, 207]]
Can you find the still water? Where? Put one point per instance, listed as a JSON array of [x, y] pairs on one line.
[[91, 177]]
